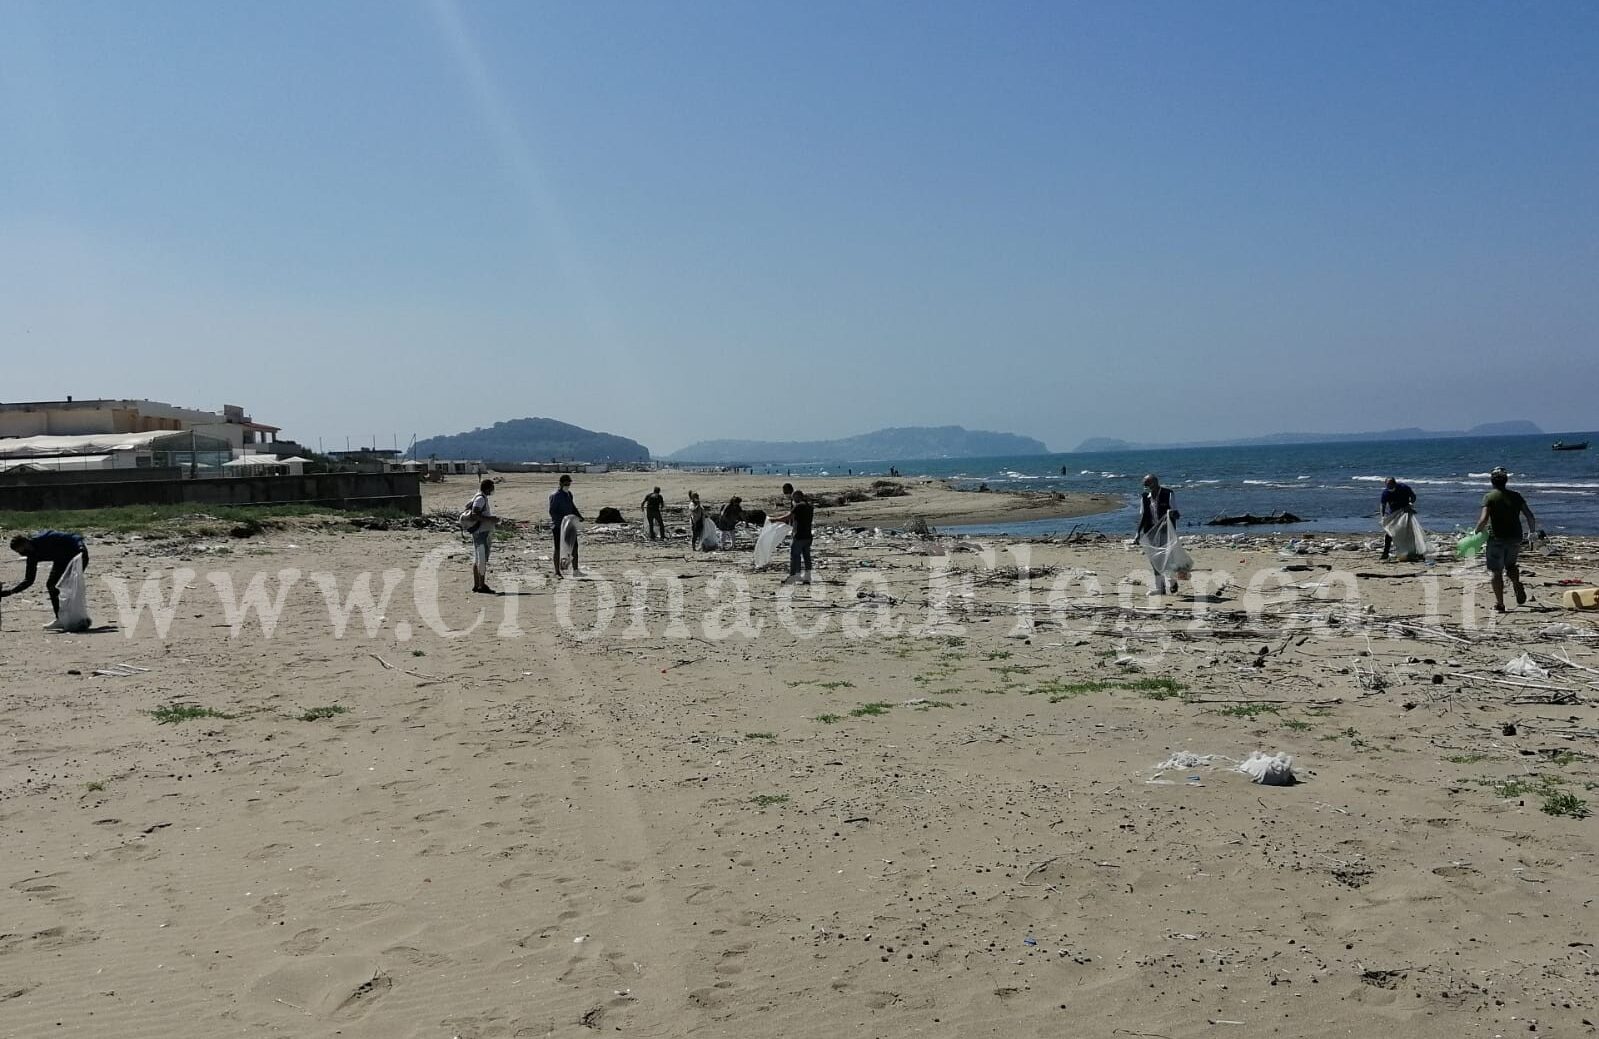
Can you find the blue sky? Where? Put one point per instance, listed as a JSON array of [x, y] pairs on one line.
[[679, 221]]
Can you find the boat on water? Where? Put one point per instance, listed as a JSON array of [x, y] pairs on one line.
[[1561, 445]]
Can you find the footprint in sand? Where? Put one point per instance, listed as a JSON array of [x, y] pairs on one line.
[[306, 941], [360, 1000]]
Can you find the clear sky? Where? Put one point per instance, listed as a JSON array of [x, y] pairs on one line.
[[675, 221]]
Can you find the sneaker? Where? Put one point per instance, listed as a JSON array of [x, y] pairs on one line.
[[55, 626], [485, 590], [1499, 607], [791, 579], [1521, 596], [1173, 588]]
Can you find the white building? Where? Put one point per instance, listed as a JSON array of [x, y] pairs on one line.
[[97, 417]]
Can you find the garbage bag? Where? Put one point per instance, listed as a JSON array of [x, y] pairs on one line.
[[710, 536], [1165, 551], [1471, 546], [569, 533], [74, 615], [1409, 539], [772, 535]]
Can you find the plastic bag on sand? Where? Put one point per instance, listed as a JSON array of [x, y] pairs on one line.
[[1409, 538], [569, 533], [1165, 551], [74, 615], [1184, 759], [1269, 770], [710, 536], [1525, 667], [772, 535]]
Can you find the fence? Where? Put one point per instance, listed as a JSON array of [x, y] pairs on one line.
[[354, 491]]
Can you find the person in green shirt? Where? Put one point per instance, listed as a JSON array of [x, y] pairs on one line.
[[1502, 509]]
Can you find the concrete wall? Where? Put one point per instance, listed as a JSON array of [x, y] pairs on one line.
[[355, 491]]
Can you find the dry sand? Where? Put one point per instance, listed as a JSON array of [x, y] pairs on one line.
[[656, 835]]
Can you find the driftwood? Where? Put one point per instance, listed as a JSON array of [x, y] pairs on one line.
[[1250, 520]]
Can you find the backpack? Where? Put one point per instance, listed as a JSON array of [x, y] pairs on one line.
[[469, 519]]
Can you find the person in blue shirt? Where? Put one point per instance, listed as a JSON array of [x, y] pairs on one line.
[[1396, 497], [562, 506], [48, 546]]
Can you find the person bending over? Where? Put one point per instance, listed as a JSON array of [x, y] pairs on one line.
[[55, 547]]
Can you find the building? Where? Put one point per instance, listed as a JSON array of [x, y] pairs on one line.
[[99, 417], [190, 451]]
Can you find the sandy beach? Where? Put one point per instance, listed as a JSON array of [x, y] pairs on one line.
[[928, 795]]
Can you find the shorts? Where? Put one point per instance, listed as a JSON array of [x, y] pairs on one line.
[[1501, 554], [481, 539]]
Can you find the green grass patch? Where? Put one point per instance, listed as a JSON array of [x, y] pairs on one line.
[[94, 787], [419, 652], [1297, 725], [760, 735], [190, 517], [829, 719], [1569, 805], [871, 710], [173, 713], [997, 654], [1355, 739], [1468, 759], [1152, 688], [768, 800], [1248, 710], [316, 714], [835, 685], [1563, 758]]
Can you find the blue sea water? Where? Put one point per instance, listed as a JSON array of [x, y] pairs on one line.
[[1335, 487]]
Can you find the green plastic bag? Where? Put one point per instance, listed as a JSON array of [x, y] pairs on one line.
[[1470, 546]]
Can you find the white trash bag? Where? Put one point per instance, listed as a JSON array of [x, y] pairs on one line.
[[1269, 770], [1525, 667], [771, 537], [74, 592], [569, 533], [1165, 551], [710, 536], [1409, 538]]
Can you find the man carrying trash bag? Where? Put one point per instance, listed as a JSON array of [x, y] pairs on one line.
[[1157, 533], [58, 549], [1398, 501]]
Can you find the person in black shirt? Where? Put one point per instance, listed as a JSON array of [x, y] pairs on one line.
[[799, 517], [48, 546], [1396, 497], [653, 503], [1155, 508]]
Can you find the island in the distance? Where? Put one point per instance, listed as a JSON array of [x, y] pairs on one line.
[[911, 442], [1514, 428], [533, 440]]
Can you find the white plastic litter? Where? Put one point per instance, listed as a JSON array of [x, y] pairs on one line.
[[772, 535], [1564, 631], [74, 615], [1165, 551], [1409, 538], [1269, 770], [570, 531], [710, 536], [1184, 759], [1525, 667]]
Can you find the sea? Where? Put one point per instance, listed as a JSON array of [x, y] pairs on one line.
[[1333, 487]]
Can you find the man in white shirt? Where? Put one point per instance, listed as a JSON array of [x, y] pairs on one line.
[[482, 535]]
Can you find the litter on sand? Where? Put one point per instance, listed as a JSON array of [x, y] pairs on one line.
[[121, 671], [1525, 667], [1183, 759], [1269, 770], [1563, 630]]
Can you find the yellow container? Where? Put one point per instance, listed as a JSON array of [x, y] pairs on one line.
[[1580, 599]]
